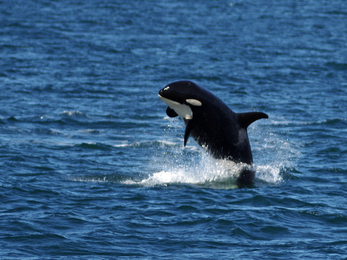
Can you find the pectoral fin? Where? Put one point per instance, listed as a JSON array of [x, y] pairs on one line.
[[189, 126], [170, 112]]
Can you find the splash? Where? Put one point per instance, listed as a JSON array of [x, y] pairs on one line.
[[274, 155], [274, 158], [269, 173], [205, 172]]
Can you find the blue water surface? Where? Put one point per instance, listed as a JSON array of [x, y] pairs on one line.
[[91, 167]]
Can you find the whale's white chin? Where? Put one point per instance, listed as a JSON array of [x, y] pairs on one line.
[[182, 110]]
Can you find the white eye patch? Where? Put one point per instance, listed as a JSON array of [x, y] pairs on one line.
[[194, 102]]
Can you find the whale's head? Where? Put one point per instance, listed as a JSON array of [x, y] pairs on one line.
[[181, 97]]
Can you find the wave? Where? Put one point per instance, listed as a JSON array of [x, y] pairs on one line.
[[284, 121]]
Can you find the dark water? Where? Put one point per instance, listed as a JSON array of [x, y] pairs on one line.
[[92, 168]]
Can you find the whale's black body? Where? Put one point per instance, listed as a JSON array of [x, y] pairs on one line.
[[222, 132]]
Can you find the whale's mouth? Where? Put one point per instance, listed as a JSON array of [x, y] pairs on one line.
[[182, 110]]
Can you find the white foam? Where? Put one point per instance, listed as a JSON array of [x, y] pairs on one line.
[[269, 174], [74, 113], [161, 143], [206, 172]]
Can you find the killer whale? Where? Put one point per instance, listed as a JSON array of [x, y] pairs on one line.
[[213, 125]]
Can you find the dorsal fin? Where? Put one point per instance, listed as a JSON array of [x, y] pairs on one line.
[[245, 119], [170, 112]]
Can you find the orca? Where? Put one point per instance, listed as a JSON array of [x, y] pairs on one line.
[[213, 125]]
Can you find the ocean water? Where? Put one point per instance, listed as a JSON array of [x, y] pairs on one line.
[[92, 168]]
